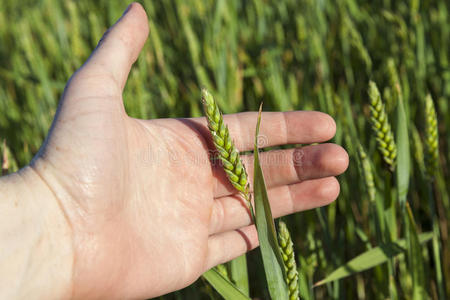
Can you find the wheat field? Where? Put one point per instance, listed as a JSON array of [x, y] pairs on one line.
[[293, 55]]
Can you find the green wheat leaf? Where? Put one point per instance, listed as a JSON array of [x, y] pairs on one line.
[[272, 259], [239, 273], [224, 287], [371, 258], [415, 258], [403, 162]]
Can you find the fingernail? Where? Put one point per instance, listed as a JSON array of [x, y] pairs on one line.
[[126, 10]]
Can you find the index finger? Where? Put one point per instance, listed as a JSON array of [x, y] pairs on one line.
[[277, 128]]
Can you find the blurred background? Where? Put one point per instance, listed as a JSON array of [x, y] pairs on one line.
[[291, 54]]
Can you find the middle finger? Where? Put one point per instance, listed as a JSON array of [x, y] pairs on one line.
[[289, 166]]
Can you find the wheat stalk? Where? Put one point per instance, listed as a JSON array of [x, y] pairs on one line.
[[431, 137], [381, 127], [287, 251], [226, 150], [418, 150]]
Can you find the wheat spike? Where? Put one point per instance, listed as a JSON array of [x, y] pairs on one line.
[[287, 251], [227, 152], [381, 127], [431, 138], [394, 81], [367, 171]]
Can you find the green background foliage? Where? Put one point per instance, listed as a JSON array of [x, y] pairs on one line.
[[291, 54]]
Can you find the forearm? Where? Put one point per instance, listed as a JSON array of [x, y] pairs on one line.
[[36, 253]]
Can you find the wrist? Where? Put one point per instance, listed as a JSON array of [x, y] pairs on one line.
[[37, 247]]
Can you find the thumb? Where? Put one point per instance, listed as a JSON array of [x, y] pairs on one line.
[[118, 49]]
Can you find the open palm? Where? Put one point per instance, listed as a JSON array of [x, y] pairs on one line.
[[148, 211]]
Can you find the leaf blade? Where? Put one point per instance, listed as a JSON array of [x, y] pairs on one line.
[[272, 259], [239, 273], [371, 258], [224, 287], [403, 156], [415, 259]]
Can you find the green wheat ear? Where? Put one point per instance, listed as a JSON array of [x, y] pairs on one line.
[[431, 138], [394, 81], [367, 171], [381, 127], [227, 152], [287, 251]]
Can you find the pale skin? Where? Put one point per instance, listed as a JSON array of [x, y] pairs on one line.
[[120, 208]]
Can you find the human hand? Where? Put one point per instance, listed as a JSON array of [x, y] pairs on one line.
[[147, 211]]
